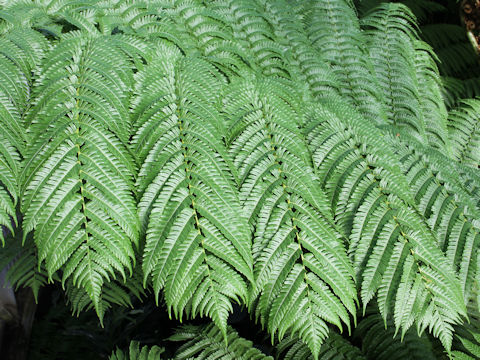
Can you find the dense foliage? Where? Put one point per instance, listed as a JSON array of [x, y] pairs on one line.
[[302, 159]]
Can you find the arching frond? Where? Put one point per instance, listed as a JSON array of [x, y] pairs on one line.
[[391, 35], [213, 36], [432, 106], [198, 242], [206, 342], [51, 17], [78, 174], [303, 277], [114, 292], [446, 205]]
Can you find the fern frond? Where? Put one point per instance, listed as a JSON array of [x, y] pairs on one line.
[[303, 277], [395, 253], [464, 132], [198, 242], [52, 17], [333, 28], [448, 208], [114, 292], [434, 111], [390, 30], [306, 65], [78, 174], [23, 266], [135, 352], [334, 348], [20, 52], [251, 29], [420, 8], [383, 343], [213, 36], [206, 342]]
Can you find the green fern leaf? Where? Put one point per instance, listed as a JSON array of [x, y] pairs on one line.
[[78, 174], [20, 51], [205, 342], [464, 132], [394, 252], [197, 243], [334, 348], [22, 263], [303, 277], [378, 342], [137, 353], [334, 30]]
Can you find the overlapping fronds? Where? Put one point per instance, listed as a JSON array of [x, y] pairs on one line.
[[198, 245], [303, 277], [306, 65], [471, 347], [447, 207], [50, 17], [284, 155], [114, 292], [206, 342]]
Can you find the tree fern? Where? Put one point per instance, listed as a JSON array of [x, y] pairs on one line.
[[296, 158]]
